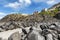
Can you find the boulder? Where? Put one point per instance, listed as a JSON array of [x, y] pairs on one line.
[[49, 37], [11, 34], [15, 36], [58, 36], [35, 35], [1, 30]]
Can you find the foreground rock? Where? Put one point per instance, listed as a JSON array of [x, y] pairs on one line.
[[44, 32], [11, 35], [40, 31]]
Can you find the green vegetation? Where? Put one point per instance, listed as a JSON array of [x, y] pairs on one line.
[[49, 13]]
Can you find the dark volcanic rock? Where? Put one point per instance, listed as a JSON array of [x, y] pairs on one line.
[[57, 16]]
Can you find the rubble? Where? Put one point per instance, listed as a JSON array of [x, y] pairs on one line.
[[40, 31]]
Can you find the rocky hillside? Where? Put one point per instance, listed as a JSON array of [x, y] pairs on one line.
[[20, 17], [15, 17], [36, 17]]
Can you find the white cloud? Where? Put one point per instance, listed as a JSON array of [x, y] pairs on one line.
[[25, 1], [12, 5], [21, 3], [2, 14], [28, 1], [50, 1], [38, 1]]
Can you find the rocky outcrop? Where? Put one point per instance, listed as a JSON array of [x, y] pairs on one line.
[[40, 31], [46, 32], [11, 35], [22, 18], [15, 36]]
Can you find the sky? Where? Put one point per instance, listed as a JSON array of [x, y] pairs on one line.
[[24, 6]]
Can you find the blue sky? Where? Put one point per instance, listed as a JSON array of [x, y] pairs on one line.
[[24, 6]]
